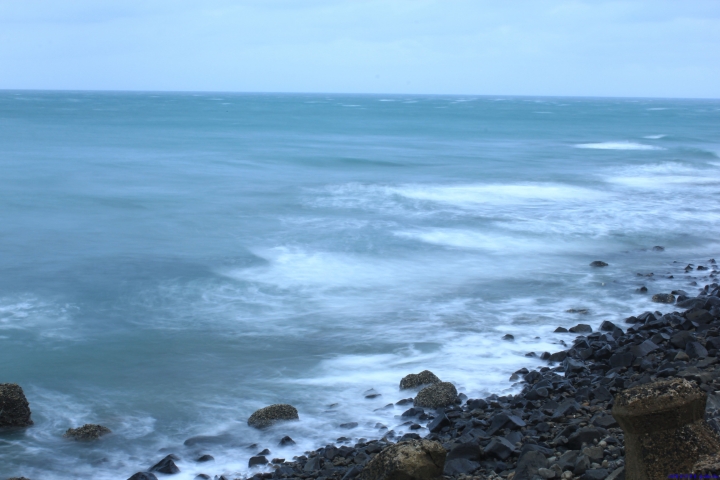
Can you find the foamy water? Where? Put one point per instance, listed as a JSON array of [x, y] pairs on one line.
[[174, 262]]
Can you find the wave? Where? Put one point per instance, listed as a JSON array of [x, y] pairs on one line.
[[655, 137], [618, 146]]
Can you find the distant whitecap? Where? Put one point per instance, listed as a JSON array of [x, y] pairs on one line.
[[655, 137], [618, 146]]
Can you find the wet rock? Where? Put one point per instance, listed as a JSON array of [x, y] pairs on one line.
[[205, 458], [372, 393], [415, 459], [268, 416], [507, 336], [143, 476], [581, 328], [658, 248], [87, 432], [598, 263], [426, 377], [349, 425], [663, 298], [257, 460], [14, 407], [202, 476], [166, 465], [438, 423], [438, 395], [561, 330], [285, 441]]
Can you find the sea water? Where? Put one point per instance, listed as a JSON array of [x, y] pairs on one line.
[[173, 262]]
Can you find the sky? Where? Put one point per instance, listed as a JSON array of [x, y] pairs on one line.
[[635, 48]]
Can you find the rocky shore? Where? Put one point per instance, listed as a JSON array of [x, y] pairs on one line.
[[561, 424]]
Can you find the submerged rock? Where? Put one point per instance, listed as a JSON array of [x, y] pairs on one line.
[[598, 263], [435, 396], [14, 407], [268, 416], [426, 377], [87, 432], [143, 476], [414, 459]]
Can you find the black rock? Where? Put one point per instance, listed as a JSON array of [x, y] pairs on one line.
[[469, 451], [143, 476], [621, 360], [598, 263], [286, 441], [558, 356], [166, 465], [500, 448], [680, 339], [257, 460], [584, 435], [459, 466], [561, 330], [412, 412], [644, 348], [595, 474], [438, 423], [202, 476], [14, 407], [695, 350], [264, 452], [567, 407], [349, 425], [581, 328], [529, 464], [607, 326], [313, 464], [353, 472], [205, 458], [699, 316], [477, 403]]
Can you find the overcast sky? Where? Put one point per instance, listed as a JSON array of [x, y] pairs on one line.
[[651, 48]]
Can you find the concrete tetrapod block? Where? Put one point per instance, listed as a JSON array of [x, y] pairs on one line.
[[665, 432]]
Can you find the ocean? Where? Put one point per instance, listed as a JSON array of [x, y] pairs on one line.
[[172, 262]]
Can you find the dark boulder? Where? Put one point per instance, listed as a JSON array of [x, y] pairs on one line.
[[143, 476], [205, 458], [598, 263], [286, 441], [426, 377], [268, 416], [166, 465], [581, 328], [500, 447], [257, 460], [14, 407]]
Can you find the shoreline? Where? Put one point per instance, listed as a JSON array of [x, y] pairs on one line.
[[563, 410]]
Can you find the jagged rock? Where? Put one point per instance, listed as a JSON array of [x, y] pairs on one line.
[[143, 476], [500, 447], [414, 459], [87, 432], [581, 328], [436, 396], [14, 407], [257, 460], [268, 416], [166, 465], [426, 377]]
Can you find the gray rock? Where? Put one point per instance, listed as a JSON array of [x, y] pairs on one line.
[[581, 328], [268, 416], [595, 474], [14, 407], [143, 476], [460, 466], [437, 395], [598, 263], [426, 377]]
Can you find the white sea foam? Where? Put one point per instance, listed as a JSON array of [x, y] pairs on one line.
[[618, 146], [655, 137]]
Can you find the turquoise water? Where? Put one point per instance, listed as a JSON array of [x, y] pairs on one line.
[[172, 262]]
